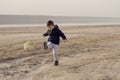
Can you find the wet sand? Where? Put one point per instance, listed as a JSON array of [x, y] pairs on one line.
[[91, 53]]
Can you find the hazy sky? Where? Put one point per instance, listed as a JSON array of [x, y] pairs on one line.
[[104, 8]]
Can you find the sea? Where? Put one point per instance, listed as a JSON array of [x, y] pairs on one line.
[[41, 20]]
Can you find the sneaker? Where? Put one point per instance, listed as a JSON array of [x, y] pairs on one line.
[[45, 45], [56, 63]]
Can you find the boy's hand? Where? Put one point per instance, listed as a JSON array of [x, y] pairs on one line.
[[65, 40]]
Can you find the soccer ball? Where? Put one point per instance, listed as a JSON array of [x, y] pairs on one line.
[[29, 46]]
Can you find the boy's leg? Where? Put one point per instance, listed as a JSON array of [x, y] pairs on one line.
[[45, 45], [50, 45], [55, 54]]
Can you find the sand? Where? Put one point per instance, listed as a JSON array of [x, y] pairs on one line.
[[91, 53]]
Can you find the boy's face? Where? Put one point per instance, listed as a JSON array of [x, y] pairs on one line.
[[50, 27]]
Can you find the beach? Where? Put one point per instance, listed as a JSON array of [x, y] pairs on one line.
[[91, 53]]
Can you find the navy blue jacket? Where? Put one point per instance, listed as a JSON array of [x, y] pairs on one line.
[[54, 35]]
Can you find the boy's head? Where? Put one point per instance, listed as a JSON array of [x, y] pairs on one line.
[[50, 24]]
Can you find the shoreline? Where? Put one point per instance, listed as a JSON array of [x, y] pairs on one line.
[[61, 24]]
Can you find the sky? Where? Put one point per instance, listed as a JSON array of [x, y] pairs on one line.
[[97, 8]]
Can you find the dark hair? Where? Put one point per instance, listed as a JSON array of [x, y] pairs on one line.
[[50, 22]]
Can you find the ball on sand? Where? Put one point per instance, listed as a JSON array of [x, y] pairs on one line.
[[29, 46]]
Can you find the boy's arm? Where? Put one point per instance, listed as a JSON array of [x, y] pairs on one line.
[[62, 34], [46, 34]]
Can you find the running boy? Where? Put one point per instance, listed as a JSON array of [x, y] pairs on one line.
[[54, 34]]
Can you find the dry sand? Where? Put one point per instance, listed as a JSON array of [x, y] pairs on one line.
[[91, 53]]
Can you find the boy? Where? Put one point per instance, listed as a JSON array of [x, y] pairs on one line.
[[54, 34]]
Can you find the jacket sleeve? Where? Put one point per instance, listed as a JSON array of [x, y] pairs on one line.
[[46, 34], [62, 34]]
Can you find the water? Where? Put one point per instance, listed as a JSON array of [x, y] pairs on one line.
[[27, 20]]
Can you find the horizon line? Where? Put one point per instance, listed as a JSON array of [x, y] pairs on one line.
[[55, 15]]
